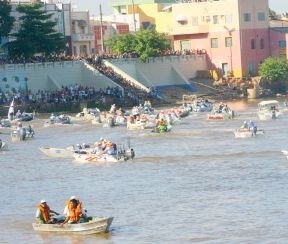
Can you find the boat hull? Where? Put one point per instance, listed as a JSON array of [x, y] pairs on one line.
[[240, 133], [57, 152], [121, 156], [96, 226]]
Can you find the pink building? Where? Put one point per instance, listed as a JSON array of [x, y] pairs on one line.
[[233, 33], [278, 38]]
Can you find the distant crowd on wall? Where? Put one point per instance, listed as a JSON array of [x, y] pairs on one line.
[[132, 96], [60, 58], [67, 94]]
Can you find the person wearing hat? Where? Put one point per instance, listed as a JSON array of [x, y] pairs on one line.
[[73, 212], [43, 213], [69, 204]]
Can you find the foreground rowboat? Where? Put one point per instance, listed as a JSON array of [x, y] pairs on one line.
[[96, 226]]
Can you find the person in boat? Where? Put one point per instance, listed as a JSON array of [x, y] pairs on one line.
[[252, 127], [97, 147], [18, 114], [43, 213], [245, 125], [30, 130], [110, 148], [73, 212]]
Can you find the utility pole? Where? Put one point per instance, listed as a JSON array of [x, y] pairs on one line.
[[134, 20], [101, 30]]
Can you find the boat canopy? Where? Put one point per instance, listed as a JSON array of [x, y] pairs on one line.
[[268, 103]]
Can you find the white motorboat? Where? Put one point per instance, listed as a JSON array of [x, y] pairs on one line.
[[268, 110], [246, 133]]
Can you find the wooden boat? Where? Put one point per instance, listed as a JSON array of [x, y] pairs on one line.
[[245, 133], [95, 226], [268, 110]]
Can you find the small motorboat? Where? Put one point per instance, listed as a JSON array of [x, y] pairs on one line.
[[22, 134], [245, 133], [67, 152], [268, 110], [96, 225], [119, 156], [57, 152], [3, 146]]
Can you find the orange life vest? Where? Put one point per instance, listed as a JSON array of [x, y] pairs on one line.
[[45, 211], [75, 213]]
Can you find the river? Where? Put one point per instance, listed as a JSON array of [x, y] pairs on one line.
[[196, 184]]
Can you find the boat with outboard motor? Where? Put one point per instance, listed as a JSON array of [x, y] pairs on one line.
[[67, 152], [22, 133], [268, 109], [248, 130], [59, 119], [120, 155], [95, 225], [3, 145], [245, 133]]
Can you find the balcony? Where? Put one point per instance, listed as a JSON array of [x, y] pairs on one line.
[[82, 37], [185, 29]]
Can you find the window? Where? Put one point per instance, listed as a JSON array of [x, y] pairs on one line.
[[247, 17], [194, 21], [253, 46], [146, 25], [207, 20], [262, 43], [282, 44], [215, 20], [214, 42], [228, 42], [228, 18], [261, 16]]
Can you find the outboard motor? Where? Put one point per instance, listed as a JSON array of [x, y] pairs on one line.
[[22, 133], [132, 152], [254, 130]]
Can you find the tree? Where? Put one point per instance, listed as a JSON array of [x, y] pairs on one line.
[[275, 70], [6, 20], [37, 33], [144, 43], [272, 14]]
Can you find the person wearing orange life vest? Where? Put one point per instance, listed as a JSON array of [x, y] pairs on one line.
[[73, 211], [43, 213]]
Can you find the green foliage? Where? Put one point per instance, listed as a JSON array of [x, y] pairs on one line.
[[145, 43], [275, 70], [37, 33], [6, 20], [272, 14]]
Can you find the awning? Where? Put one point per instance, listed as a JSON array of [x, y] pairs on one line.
[[167, 8], [181, 18]]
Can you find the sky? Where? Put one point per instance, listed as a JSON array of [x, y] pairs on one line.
[[279, 6]]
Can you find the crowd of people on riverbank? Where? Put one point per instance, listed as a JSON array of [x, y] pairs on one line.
[[133, 95]]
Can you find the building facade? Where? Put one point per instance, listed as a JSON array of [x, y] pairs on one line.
[[103, 30], [235, 34]]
